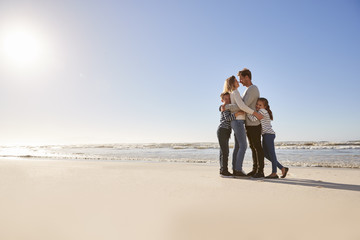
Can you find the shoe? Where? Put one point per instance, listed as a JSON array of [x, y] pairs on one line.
[[252, 173], [239, 174], [258, 175], [225, 174], [272, 177], [286, 171]]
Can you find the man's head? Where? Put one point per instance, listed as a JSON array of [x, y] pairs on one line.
[[225, 97], [245, 77]]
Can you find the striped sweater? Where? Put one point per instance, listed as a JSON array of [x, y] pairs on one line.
[[226, 118], [266, 127]]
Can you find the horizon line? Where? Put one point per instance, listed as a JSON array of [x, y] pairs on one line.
[[134, 143]]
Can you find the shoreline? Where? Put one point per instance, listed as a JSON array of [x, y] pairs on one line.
[[151, 160]]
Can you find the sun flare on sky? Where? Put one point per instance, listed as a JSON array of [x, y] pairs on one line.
[[21, 47]]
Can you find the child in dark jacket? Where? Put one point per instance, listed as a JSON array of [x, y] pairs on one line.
[[223, 134]]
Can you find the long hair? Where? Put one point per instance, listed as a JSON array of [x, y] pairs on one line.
[[229, 84], [267, 106]]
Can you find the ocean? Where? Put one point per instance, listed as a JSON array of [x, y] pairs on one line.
[[306, 154]]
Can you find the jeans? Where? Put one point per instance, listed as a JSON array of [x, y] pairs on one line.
[[254, 136], [240, 144], [269, 151], [223, 135]]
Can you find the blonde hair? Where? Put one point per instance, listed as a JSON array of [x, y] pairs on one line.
[[223, 94], [229, 84]]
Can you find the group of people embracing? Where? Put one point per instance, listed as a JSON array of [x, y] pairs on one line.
[[247, 115]]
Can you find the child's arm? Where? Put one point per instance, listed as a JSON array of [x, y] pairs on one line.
[[252, 117], [229, 116]]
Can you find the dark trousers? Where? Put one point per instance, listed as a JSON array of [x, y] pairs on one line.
[[254, 136], [223, 135]]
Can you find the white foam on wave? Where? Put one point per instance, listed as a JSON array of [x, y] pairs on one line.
[[306, 154], [200, 145]]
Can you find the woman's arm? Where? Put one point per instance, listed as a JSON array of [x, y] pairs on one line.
[[241, 104]]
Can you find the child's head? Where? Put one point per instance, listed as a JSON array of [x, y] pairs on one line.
[[263, 103], [225, 97]]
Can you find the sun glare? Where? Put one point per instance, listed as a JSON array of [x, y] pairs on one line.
[[21, 47]]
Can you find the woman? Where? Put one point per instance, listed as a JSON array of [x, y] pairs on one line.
[[231, 85]]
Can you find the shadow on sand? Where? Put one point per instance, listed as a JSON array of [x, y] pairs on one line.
[[309, 183]]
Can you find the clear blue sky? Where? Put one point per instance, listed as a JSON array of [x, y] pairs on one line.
[[152, 71]]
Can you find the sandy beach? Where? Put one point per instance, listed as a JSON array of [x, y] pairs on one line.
[[66, 199]]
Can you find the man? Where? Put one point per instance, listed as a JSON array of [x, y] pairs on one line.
[[253, 129]]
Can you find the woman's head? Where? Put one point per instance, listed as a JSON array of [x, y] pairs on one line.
[[263, 103], [231, 84]]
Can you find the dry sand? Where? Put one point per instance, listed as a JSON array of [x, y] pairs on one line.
[[60, 200]]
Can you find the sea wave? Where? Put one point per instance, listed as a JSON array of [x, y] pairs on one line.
[[306, 154], [204, 145]]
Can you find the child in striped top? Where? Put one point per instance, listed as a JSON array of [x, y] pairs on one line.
[[223, 134], [268, 134]]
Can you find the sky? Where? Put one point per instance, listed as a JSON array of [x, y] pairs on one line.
[[152, 71]]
